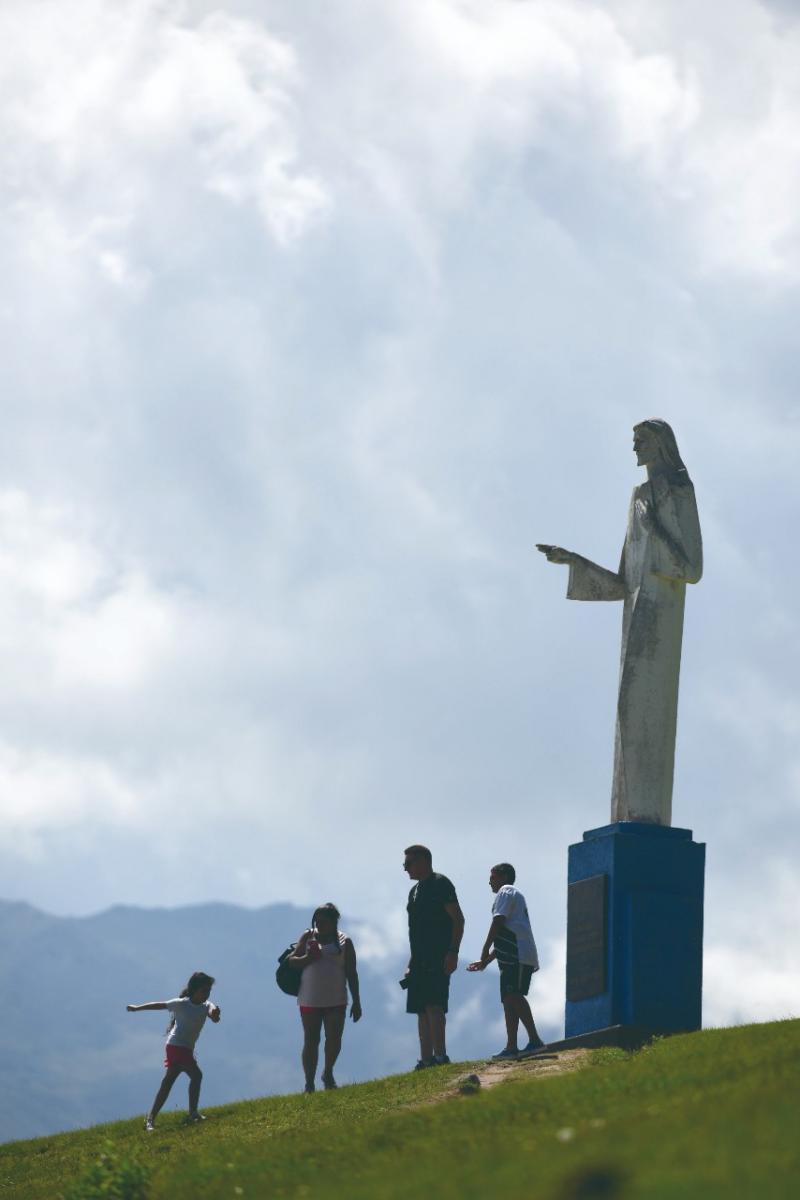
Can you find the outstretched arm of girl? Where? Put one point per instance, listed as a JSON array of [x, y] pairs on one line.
[[153, 1006]]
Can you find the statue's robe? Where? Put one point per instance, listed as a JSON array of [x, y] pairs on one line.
[[654, 569]]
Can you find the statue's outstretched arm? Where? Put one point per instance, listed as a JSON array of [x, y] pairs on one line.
[[587, 580]]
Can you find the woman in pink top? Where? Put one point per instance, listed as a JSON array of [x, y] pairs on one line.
[[327, 959]]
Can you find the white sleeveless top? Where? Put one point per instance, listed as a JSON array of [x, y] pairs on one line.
[[322, 984]]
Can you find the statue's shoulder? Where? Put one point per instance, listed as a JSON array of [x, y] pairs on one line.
[[676, 489], [683, 489]]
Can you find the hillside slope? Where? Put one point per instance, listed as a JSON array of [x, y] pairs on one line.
[[709, 1115]]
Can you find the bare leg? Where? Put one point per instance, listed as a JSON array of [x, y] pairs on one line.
[[512, 1022], [521, 1010], [334, 1028], [425, 1043], [312, 1026], [170, 1075], [437, 1020], [195, 1079]]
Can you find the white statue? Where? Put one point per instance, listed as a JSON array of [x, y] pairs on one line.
[[663, 551]]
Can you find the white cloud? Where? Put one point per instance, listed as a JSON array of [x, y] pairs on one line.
[[119, 116], [47, 791], [116, 642], [755, 975], [549, 985], [379, 942], [641, 92], [39, 559], [74, 614], [745, 986], [120, 272]]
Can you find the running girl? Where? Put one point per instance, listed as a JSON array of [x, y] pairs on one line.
[[189, 1014]]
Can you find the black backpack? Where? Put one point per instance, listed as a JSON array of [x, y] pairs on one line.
[[286, 977]]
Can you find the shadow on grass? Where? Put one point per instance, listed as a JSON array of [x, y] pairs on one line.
[[594, 1183]]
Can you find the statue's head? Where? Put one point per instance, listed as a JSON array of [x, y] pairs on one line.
[[655, 446]]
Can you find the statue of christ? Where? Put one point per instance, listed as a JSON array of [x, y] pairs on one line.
[[663, 551]]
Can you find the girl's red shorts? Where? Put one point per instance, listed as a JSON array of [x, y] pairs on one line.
[[179, 1056], [322, 1008]]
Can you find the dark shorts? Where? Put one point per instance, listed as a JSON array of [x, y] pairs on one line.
[[428, 987], [515, 980]]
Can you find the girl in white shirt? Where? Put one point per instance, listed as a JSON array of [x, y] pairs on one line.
[[327, 959], [189, 1012]]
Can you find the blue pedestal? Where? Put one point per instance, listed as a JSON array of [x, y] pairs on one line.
[[635, 930]]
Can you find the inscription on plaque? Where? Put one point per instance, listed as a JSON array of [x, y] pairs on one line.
[[586, 937]]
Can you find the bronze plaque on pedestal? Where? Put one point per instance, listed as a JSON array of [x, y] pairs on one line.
[[586, 937]]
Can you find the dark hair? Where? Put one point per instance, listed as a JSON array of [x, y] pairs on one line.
[[326, 910], [506, 870], [419, 852], [197, 980]]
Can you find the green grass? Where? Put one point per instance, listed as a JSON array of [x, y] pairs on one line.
[[711, 1115]]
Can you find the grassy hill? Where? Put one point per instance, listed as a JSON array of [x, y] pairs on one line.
[[711, 1115]]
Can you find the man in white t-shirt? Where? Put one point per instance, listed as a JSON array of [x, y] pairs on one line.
[[510, 941]]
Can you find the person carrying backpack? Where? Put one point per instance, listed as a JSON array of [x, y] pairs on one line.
[[327, 959]]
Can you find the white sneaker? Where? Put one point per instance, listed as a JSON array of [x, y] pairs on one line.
[[148, 1125]]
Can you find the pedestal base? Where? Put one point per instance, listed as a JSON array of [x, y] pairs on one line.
[[635, 931], [626, 1037]]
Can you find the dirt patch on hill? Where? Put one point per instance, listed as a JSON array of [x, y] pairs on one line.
[[556, 1063], [490, 1074]]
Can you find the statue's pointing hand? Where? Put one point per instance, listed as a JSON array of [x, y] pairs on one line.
[[556, 554]]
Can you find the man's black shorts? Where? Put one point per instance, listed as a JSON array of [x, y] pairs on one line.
[[515, 980], [427, 987]]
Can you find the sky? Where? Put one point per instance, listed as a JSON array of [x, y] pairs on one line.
[[315, 319]]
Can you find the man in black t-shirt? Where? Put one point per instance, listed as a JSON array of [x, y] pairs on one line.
[[435, 929]]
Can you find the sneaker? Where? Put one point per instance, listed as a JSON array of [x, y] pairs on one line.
[[505, 1054], [440, 1060], [424, 1063], [329, 1083], [193, 1117], [148, 1125], [533, 1048], [309, 1088]]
